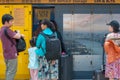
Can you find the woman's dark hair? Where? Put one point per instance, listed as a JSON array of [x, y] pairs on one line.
[[6, 17], [38, 30], [48, 23], [54, 25], [115, 29]]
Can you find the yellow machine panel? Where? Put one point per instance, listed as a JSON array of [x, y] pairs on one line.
[[23, 22]]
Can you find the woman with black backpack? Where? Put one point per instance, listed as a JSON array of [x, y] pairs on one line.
[[48, 68]]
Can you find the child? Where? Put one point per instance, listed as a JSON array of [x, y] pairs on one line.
[[33, 60]]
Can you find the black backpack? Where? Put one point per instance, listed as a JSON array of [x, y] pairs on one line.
[[20, 43], [53, 47]]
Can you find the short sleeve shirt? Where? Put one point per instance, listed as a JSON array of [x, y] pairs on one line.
[[9, 49]]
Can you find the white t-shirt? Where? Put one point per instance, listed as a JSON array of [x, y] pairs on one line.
[[33, 58]]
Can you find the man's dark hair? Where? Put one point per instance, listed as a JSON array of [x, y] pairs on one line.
[[6, 17]]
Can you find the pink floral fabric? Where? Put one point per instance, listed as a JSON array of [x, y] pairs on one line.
[[113, 70]]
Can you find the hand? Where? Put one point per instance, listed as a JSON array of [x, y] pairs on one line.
[[53, 62], [17, 31], [63, 53], [22, 35]]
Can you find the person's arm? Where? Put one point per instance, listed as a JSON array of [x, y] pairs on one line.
[[13, 34], [17, 36], [40, 44], [61, 40]]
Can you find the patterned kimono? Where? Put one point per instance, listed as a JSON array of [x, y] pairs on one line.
[[48, 70], [112, 70]]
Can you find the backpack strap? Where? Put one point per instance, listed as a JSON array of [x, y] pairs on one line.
[[6, 34]]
